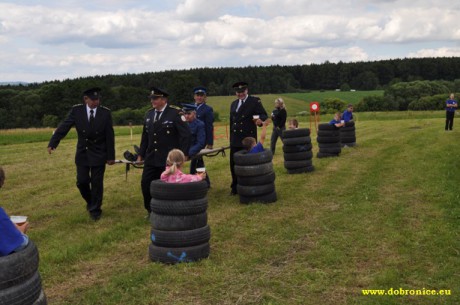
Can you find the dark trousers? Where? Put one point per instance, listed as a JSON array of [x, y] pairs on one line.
[[449, 119], [149, 174], [198, 162], [233, 150], [90, 182], [277, 133]]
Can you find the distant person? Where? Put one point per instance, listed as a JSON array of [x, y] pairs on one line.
[[204, 113], [347, 115], [250, 143], [279, 116], [293, 124], [13, 237], [164, 129], [95, 147], [337, 121], [246, 113], [173, 173], [451, 106]]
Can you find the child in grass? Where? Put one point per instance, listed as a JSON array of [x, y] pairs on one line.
[[173, 173], [250, 144]]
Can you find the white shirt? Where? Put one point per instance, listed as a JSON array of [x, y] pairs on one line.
[[88, 111]]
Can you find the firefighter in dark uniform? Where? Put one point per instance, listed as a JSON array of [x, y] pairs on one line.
[[95, 147], [242, 123], [164, 129]]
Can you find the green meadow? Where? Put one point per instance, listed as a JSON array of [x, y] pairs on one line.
[[384, 215]]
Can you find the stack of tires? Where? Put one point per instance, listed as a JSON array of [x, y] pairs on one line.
[[180, 231], [348, 135], [297, 151], [255, 176], [20, 282], [328, 141]]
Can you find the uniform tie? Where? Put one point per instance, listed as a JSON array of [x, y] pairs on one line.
[[239, 105], [157, 115], [91, 117]]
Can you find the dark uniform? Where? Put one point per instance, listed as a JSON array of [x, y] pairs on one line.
[[279, 116], [205, 114], [158, 138], [95, 146], [242, 125]]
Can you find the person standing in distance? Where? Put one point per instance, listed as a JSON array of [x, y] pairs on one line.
[[451, 106], [246, 113], [164, 129], [95, 147], [347, 115], [279, 116]]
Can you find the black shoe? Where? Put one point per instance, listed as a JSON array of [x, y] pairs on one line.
[[233, 193], [95, 217]]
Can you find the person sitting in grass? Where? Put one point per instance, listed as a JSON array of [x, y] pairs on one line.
[[249, 143], [293, 124], [337, 122], [173, 173], [13, 237]]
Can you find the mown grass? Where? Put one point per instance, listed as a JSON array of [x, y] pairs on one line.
[[385, 214]]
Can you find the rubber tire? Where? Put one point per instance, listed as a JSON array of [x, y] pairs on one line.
[[23, 293], [301, 170], [350, 124], [329, 145], [303, 155], [268, 198], [325, 155], [326, 127], [328, 139], [353, 144], [297, 164], [296, 141], [178, 222], [178, 191], [178, 255], [179, 207], [255, 190], [18, 266], [348, 140], [328, 133], [345, 129], [257, 180], [297, 148], [177, 239], [348, 134], [337, 150], [243, 158], [295, 133], [253, 170], [41, 299]]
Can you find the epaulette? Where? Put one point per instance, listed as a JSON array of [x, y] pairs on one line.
[[76, 105], [257, 98], [175, 107], [105, 108]]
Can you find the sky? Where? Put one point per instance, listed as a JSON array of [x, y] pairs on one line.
[[56, 40]]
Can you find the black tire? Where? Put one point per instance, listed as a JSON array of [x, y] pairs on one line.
[[347, 134], [257, 180], [328, 133], [301, 170], [329, 145], [268, 198], [178, 222], [345, 129], [303, 155], [326, 127], [295, 133], [350, 124], [23, 293], [330, 150], [18, 266], [353, 144], [325, 155], [178, 255], [296, 141], [243, 158], [179, 207], [297, 148], [328, 139], [255, 190], [297, 164], [253, 170], [178, 191], [41, 299], [177, 239], [348, 140]]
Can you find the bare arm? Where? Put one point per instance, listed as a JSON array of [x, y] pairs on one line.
[[264, 131]]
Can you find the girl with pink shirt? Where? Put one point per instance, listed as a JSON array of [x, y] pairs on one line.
[[173, 173]]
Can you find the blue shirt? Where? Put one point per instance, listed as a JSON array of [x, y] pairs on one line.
[[347, 116], [333, 122], [10, 237], [198, 141], [256, 149], [451, 102]]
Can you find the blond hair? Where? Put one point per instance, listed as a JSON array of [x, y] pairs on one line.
[[280, 102], [175, 160]]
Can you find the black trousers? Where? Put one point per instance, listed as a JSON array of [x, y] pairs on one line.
[[277, 133], [194, 164], [449, 119], [233, 150], [149, 174], [90, 182]]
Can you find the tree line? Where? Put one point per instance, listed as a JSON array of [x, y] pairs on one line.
[[45, 104]]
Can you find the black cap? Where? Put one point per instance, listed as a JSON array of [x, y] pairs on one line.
[[199, 89], [240, 86], [156, 92], [188, 108], [93, 93]]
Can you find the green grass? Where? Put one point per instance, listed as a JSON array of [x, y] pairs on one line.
[[385, 214]]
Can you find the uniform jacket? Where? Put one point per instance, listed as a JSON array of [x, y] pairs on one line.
[[279, 117], [205, 114], [96, 144], [158, 138], [241, 123], [198, 137]]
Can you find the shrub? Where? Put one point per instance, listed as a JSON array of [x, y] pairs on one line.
[[435, 102], [332, 105], [376, 103], [50, 120]]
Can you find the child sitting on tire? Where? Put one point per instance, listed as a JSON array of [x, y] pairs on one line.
[[337, 121], [249, 143], [173, 173], [293, 124]]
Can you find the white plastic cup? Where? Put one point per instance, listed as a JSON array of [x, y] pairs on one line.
[[342, 121], [256, 117], [19, 220], [200, 170]]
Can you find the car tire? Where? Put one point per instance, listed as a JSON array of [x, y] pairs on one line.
[[297, 141], [325, 155], [178, 222], [23, 293], [18, 266], [255, 190], [179, 207], [178, 191], [326, 127], [328, 139], [253, 170], [170, 255], [295, 133], [297, 164], [297, 148], [257, 180], [243, 158], [176, 239], [301, 170], [303, 155], [267, 198]]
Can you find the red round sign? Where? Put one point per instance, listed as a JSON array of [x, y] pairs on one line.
[[314, 107]]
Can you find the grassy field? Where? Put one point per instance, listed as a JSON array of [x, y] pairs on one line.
[[385, 214]]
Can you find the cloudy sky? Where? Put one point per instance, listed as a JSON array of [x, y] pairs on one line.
[[48, 40]]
